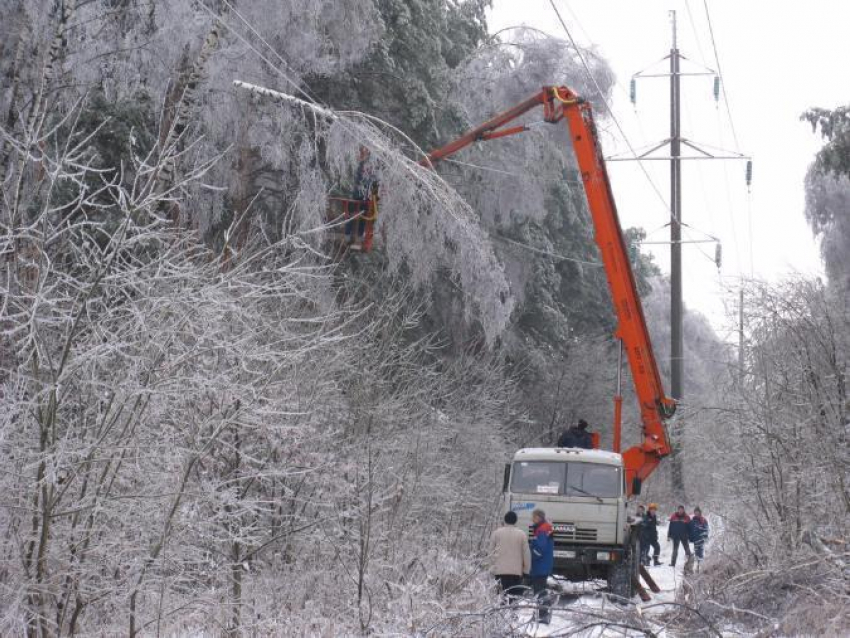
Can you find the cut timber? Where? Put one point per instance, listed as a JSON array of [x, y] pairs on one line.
[[644, 595], [649, 580]]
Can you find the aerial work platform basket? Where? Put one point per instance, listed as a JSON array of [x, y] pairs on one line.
[[353, 222]]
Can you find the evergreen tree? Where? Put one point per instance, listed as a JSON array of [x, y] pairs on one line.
[[405, 78]]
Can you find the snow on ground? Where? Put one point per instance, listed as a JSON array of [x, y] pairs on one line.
[[586, 605]]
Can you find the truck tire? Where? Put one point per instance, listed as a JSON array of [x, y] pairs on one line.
[[622, 576]]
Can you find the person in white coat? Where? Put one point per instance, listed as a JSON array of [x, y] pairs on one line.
[[510, 556]]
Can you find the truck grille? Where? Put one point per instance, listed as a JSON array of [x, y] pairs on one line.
[[567, 533], [585, 534]]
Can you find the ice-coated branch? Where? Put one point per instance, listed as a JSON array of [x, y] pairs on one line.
[[285, 97], [427, 224]]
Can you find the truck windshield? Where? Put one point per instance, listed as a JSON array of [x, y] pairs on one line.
[[538, 477], [591, 479], [568, 479]]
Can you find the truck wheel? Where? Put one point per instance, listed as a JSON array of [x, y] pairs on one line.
[[622, 576]]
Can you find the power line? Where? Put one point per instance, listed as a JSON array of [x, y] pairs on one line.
[[608, 108], [499, 171], [694, 29], [699, 248], [296, 85], [547, 253], [578, 22], [719, 278], [737, 148], [735, 140], [729, 200], [616, 84], [311, 100], [720, 75]]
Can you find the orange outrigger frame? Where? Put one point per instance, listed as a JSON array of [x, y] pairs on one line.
[[561, 103]]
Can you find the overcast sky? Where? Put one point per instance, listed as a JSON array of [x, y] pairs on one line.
[[777, 59]]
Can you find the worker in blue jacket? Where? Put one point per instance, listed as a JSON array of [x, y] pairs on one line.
[[698, 532], [542, 562], [577, 436], [649, 535]]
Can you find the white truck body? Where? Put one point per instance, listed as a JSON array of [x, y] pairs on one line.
[[583, 495]]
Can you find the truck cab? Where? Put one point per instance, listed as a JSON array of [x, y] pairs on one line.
[[583, 493]]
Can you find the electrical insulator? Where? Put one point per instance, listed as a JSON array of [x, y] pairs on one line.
[[633, 91], [716, 88], [718, 254], [749, 172]]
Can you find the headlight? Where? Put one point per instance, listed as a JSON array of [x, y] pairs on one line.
[[603, 555]]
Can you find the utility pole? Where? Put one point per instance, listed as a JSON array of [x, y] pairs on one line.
[[677, 142], [677, 342], [741, 337]]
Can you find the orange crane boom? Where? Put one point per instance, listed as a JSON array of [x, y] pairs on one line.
[[561, 103]]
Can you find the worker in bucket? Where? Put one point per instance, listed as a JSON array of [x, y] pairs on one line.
[[510, 557], [542, 562], [365, 185]]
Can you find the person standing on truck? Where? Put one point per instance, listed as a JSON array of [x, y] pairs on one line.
[[577, 436], [698, 532], [510, 557], [542, 562], [678, 532], [649, 535]]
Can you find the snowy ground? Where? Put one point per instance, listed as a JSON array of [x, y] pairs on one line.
[[584, 608]]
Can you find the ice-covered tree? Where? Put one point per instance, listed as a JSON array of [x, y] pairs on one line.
[[827, 209], [781, 465], [828, 214], [189, 383]]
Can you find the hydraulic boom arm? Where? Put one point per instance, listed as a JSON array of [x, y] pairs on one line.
[[561, 103]]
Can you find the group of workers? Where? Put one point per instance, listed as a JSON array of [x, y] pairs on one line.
[[515, 557], [681, 530]]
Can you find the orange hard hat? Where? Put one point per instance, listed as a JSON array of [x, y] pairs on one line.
[[653, 506]]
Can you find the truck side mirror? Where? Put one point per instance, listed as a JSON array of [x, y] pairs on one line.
[[507, 477], [636, 485]]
